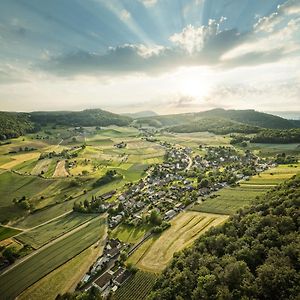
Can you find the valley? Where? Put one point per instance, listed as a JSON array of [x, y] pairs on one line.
[[120, 200]]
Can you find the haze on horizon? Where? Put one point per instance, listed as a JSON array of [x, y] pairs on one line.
[[169, 56]]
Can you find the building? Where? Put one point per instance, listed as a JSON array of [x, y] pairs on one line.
[[170, 214], [103, 281], [120, 276]]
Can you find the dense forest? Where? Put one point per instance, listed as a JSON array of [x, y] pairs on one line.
[[89, 117], [215, 125], [248, 117], [13, 125], [277, 136], [254, 255]]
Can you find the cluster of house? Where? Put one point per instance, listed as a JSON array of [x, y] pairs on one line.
[[168, 184], [111, 276]]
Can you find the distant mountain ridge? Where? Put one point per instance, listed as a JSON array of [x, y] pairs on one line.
[[219, 121], [141, 114], [248, 117]]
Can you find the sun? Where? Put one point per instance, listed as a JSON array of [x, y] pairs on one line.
[[194, 84]]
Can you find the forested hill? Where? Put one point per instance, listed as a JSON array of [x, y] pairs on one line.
[[89, 117], [14, 124], [248, 117], [254, 255]]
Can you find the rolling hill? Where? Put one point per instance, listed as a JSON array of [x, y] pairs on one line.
[[231, 120]]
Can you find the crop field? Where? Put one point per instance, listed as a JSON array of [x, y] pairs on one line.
[[229, 200], [6, 233], [137, 287], [20, 159], [156, 253], [45, 233], [193, 140], [129, 234], [38, 191], [64, 278], [42, 263], [60, 170]]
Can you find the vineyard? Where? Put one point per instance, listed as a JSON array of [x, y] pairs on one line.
[[137, 287]]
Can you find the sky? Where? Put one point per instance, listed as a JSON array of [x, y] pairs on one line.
[[168, 56]]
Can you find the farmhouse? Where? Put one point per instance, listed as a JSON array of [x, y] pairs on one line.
[[121, 145], [103, 281]]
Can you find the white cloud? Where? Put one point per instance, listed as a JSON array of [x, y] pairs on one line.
[[149, 3], [192, 39], [125, 15]]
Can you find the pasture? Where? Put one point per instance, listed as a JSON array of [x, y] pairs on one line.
[[137, 287], [129, 234], [155, 254], [48, 259], [40, 236], [229, 200]]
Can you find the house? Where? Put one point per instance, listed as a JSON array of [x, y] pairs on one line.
[[108, 195], [112, 253], [120, 145], [170, 214], [120, 276], [103, 281]]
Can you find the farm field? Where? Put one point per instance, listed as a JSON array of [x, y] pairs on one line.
[[229, 200], [16, 280], [136, 287], [45, 233], [156, 253], [6, 233], [267, 150], [64, 278], [129, 234]]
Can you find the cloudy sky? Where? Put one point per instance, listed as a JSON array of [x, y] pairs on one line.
[[164, 55]]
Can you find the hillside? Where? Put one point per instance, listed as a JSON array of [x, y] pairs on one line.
[[192, 122], [141, 114], [255, 255], [214, 125], [89, 117], [14, 124]]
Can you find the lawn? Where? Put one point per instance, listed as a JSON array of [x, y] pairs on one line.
[[155, 254], [37, 266], [137, 287], [50, 231], [129, 234], [6, 233]]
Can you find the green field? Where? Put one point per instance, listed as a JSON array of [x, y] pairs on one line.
[[155, 254], [31, 270], [136, 287], [129, 234], [50, 231], [229, 200], [6, 233]]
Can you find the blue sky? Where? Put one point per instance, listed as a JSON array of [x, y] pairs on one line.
[[164, 55]]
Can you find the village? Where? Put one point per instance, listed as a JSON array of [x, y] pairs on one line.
[[184, 178]]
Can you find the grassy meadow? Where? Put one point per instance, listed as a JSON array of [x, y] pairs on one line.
[[157, 252]]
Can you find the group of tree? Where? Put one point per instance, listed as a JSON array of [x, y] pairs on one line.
[[13, 125], [282, 158], [108, 177], [215, 125], [277, 136], [254, 255]]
